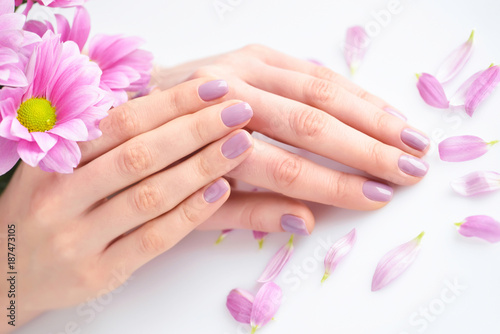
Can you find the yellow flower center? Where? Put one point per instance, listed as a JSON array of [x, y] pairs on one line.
[[37, 115]]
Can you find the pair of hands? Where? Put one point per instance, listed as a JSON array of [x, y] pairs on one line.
[[156, 173]]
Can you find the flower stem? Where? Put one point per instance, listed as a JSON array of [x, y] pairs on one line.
[[325, 276], [493, 142], [254, 328], [419, 237], [261, 243]]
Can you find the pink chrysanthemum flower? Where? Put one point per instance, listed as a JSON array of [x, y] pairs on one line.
[[125, 67], [15, 46], [61, 105]]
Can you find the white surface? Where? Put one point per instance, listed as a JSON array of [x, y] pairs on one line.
[[184, 290]]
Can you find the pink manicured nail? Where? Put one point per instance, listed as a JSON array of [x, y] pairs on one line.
[[377, 191], [396, 113], [294, 224], [215, 191], [213, 90], [414, 139], [236, 145], [413, 166], [236, 114]]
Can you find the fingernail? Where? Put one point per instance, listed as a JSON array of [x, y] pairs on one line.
[[236, 114], [377, 191], [396, 113], [236, 145], [414, 139], [294, 224], [215, 191], [213, 90], [413, 166]]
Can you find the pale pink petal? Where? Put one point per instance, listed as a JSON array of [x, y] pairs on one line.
[[81, 27], [265, 305], [44, 140], [483, 227], [8, 154], [62, 3], [222, 236], [337, 252], [395, 262], [476, 183], [239, 303], [278, 261], [481, 88], [12, 21], [73, 129], [431, 91], [121, 46], [15, 77], [455, 61], [30, 152], [18, 130], [36, 27], [63, 27], [6, 7], [356, 45], [62, 158], [259, 236], [463, 148], [458, 98]]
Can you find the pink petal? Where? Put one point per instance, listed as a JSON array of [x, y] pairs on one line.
[[12, 21], [431, 91], [395, 262], [277, 262], [259, 236], [455, 61], [63, 27], [16, 77], [458, 99], [463, 148], [36, 27], [62, 158], [44, 140], [356, 45], [476, 183], [8, 154], [222, 236], [338, 251], [483, 227], [481, 88], [265, 305], [74, 130], [30, 152], [6, 7], [239, 303], [81, 27]]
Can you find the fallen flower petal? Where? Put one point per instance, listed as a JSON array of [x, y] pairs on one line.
[[431, 91], [222, 236], [476, 183], [277, 262], [463, 148], [266, 303], [395, 262], [481, 88], [239, 303], [483, 227], [259, 236], [455, 61], [356, 45], [458, 98], [337, 252]]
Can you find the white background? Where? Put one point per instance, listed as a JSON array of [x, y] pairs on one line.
[[184, 290]]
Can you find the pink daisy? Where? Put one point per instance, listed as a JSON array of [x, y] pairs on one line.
[[62, 105]]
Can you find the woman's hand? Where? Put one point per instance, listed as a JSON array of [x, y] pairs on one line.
[[311, 107], [153, 177]]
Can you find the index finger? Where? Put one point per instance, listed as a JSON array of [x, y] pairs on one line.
[[149, 112]]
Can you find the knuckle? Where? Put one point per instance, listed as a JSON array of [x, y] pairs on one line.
[[339, 187], [135, 159], [203, 167], [147, 198], [308, 122], [325, 73], [254, 48], [190, 213], [320, 90], [364, 95], [122, 121], [152, 242], [198, 129], [284, 173], [375, 154], [204, 71], [256, 219], [380, 121]]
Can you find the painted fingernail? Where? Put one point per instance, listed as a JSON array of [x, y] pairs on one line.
[[294, 224], [215, 191], [413, 166], [414, 139], [396, 113], [377, 191], [236, 114], [236, 145], [213, 90]]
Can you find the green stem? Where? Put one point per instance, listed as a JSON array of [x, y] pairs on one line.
[[493, 142], [254, 329], [261, 243], [419, 237], [325, 276]]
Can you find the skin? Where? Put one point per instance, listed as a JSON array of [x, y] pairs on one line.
[[128, 201]]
